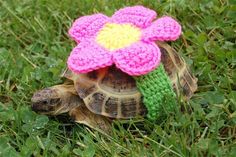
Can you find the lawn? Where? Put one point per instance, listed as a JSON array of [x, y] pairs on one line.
[[34, 46]]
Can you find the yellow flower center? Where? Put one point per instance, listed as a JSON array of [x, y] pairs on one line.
[[115, 36]]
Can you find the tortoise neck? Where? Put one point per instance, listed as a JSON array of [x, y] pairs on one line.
[[69, 98]]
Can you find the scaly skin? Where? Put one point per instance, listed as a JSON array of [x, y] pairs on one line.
[[63, 98], [55, 100]]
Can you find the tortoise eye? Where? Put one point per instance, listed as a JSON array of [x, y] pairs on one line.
[[55, 101], [44, 102]]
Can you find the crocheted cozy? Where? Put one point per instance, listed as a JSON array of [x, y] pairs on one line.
[[157, 91], [127, 39]]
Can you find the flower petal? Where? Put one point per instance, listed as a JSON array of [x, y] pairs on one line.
[[138, 59], [87, 26], [88, 56], [137, 15], [163, 29]]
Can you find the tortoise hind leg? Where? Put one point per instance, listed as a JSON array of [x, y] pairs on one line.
[[82, 115]]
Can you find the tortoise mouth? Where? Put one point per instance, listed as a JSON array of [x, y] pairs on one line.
[[48, 107], [42, 109]]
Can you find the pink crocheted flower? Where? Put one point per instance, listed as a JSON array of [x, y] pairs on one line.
[[127, 39]]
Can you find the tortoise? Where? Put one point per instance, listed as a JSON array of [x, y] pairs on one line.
[[98, 97]]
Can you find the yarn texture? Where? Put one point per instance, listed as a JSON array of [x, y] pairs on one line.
[[125, 34], [127, 39], [157, 91]]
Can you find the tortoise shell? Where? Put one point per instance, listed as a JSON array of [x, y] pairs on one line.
[[113, 93]]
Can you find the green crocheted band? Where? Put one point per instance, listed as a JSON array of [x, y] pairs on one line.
[[158, 95]]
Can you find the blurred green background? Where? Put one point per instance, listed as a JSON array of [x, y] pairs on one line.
[[34, 46]]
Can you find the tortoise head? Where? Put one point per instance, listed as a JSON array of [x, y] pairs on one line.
[[55, 100]]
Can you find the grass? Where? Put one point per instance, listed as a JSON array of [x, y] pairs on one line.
[[34, 46]]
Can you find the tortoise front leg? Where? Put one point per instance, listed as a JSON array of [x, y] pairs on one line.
[[82, 115]]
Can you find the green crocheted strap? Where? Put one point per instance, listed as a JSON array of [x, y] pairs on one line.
[[158, 95]]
